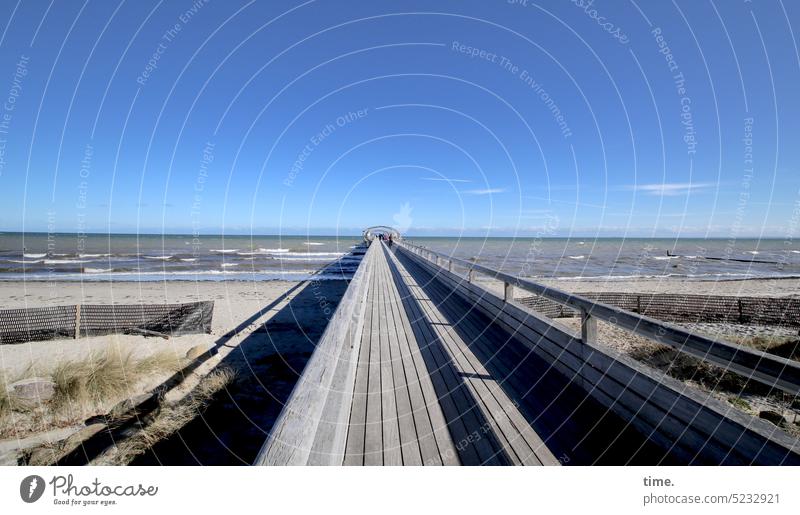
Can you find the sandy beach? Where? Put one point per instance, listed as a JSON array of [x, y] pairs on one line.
[[251, 322], [234, 302]]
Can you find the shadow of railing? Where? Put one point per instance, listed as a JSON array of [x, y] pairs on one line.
[[575, 428], [267, 363], [472, 433]]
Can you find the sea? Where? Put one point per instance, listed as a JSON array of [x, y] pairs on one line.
[[175, 257]]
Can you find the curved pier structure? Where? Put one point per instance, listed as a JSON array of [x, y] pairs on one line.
[[423, 365]]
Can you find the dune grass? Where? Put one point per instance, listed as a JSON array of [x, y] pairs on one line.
[[83, 388]]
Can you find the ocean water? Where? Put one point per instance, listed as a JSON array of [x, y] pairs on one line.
[[124, 257], [626, 258]]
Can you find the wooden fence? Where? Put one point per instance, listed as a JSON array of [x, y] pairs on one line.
[[48, 323]]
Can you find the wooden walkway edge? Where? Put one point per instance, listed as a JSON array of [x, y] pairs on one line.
[[422, 366]]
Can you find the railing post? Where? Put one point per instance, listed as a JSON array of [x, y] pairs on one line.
[[471, 275], [449, 265], [588, 327], [508, 292]]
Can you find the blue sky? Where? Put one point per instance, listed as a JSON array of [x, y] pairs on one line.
[[447, 117]]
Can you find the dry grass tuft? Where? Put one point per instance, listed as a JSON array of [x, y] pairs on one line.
[[83, 388], [784, 346], [105, 376]]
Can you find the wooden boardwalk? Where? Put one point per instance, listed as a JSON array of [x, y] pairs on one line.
[[422, 395], [421, 367]]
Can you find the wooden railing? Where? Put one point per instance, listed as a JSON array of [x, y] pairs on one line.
[[312, 427], [768, 369]]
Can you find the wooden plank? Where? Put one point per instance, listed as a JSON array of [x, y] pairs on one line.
[[663, 406], [498, 408], [392, 449], [436, 444], [756, 365], [461, 450], [559, 353], [409, 440], [354, 453], [472, 432], [292, 437], [373, 431]]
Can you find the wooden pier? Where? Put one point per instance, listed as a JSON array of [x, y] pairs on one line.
[[422, 365]]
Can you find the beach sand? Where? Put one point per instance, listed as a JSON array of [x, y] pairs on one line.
[[234, 302], [277, 325], [264, 332]]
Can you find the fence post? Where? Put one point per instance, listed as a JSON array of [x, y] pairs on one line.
[[470, 275], [77, 321], [588, 327], [508, 292], [449, 265]]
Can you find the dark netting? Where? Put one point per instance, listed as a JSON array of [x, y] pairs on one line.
[[23, 325], [780, 311]]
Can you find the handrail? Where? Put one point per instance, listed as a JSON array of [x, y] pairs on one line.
[[304, 422], [768, 369]]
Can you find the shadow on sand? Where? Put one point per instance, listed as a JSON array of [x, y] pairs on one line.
[[267, 364]]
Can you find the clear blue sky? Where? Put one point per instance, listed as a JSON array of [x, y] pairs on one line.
[[445, 117]]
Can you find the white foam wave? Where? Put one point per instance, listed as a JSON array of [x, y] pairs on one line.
[[34, 256], [577, 257], [64, 261], [312, 254], [224, 251], [162, 258], [313, 243]]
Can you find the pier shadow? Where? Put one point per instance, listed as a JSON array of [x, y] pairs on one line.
[[267, 364], [472, 433], [575, 428]]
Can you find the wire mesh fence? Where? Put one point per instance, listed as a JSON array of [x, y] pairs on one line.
[[778, 311], [47, 323]]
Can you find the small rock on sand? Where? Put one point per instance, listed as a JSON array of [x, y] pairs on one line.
[[32, 389]]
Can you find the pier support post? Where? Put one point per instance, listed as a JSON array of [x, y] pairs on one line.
[[588, 327], [508, 292]]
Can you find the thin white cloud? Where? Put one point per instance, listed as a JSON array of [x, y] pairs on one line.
[[487, 191], [670, 189], [444, 179]]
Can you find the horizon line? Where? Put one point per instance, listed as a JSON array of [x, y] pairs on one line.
[[411, 235]]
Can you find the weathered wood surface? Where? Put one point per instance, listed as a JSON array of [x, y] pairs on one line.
[[420, 366], [763, 367], [694, 427], [312, 427]]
